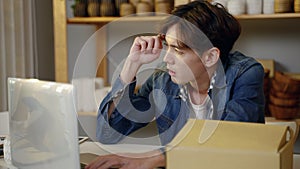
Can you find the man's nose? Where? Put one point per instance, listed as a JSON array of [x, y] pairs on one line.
[[169, 58]]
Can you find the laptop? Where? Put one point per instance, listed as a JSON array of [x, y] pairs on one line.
[[42, 125]]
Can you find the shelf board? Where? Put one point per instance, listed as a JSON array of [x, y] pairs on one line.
[[269, 16], [104, 20], [90, 20]]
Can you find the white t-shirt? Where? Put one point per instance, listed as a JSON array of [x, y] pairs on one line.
[[201, 110]]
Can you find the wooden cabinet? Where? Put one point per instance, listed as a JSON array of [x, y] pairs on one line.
[[60, 33]]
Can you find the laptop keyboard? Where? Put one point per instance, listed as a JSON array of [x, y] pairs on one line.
[[82, 166]]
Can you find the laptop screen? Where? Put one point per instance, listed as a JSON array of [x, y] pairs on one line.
[[43, 124]]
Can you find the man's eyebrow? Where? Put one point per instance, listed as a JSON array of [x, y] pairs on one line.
[[163, 37], [172, 45]]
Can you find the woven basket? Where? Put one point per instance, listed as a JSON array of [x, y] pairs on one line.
[[80, 10], [283, 95], [107, 8], [294, 102], [280, 112], [93, 9], [126, 9], [287, 83], [297, 6], [290, 78], [163, 7], [143, 8], [281, 6]]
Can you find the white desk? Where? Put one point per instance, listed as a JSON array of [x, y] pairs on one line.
[[90, 147], [93, 148], [100, 149]]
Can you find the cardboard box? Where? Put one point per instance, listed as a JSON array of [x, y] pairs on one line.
[[294, 124], [268, 64], [230, 145]]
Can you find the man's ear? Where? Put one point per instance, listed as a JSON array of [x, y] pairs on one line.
[[211, 57]]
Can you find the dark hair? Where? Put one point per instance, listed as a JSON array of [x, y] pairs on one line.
[[219, 26]]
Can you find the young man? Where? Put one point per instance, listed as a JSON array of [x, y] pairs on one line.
[[200, 79]]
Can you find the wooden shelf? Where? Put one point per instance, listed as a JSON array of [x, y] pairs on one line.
[[104, 20], [60, 27], [270, 16], [90, 20]]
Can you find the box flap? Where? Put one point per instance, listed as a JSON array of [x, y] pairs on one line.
[[231, 135]]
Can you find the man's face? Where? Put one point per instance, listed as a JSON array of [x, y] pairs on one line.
[[183, 64]]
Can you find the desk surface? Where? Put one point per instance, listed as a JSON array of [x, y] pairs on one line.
[[91, 147], [100, 149]]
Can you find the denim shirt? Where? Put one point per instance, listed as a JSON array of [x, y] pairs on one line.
[[237, 96]]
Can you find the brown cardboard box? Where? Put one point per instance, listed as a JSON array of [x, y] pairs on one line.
[[294, 124], [230, 145]]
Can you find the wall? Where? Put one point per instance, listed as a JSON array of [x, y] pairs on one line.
[[77, 37], [277, 39]]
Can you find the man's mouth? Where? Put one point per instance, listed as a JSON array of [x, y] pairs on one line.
[[171, 73]]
